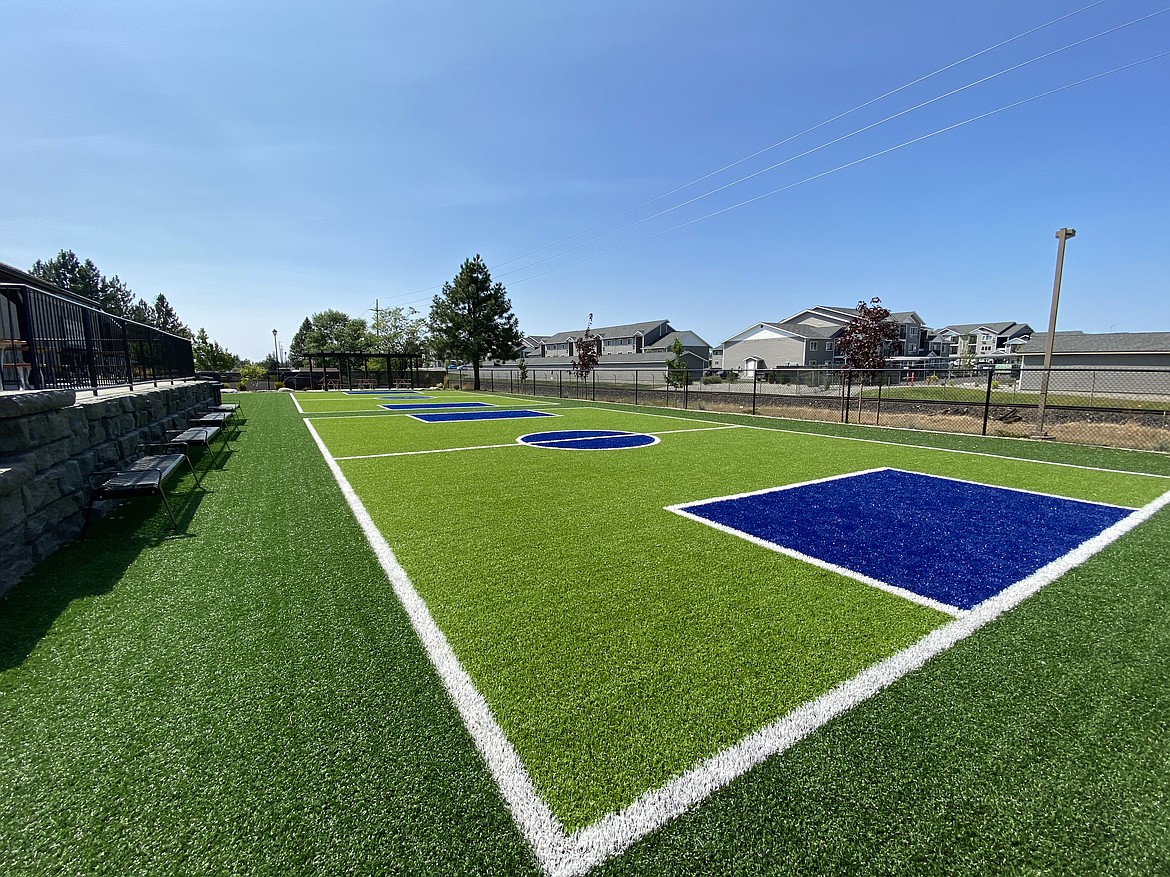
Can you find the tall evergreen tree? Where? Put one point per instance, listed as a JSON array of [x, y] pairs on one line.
[[472, 318], [164, 317], [70, 273], [296, 347]]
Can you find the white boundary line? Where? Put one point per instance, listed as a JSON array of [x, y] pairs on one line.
[[429, 451], [569, 855]]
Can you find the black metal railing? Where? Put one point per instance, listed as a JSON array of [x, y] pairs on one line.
[[48, 341]]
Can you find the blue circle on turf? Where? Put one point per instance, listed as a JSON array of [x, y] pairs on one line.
[[588, 440]]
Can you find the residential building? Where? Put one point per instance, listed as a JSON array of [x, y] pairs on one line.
[[1085, 360], [808, 339], [972, 343], [626, 348]]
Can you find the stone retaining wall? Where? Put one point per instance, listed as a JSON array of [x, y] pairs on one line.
[[50, 442]]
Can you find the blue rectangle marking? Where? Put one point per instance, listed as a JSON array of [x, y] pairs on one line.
[[497, 414], [432, 406], [952, 542]]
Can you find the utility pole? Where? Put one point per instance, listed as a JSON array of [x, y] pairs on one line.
[[1061, 235]]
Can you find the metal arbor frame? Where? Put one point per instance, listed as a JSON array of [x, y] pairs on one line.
[[402, 369]]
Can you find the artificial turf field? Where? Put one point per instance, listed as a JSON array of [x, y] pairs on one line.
[[251, 698]]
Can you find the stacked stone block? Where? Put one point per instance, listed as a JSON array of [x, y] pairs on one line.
[[51, 441]]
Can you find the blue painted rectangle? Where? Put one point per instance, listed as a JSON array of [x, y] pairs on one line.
[[497, 414], [432, 406], [954, 542]]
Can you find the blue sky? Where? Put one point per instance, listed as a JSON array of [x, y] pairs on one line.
[[258, 162]]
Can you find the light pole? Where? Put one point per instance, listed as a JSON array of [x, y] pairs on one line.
[[276, 347], [1062, 235]]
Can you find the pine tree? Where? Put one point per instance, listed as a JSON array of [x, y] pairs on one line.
[[472, 318]]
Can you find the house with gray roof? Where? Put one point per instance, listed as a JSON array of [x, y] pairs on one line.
[[978, 342], [624, 349], [1084, 359], [808, 339]]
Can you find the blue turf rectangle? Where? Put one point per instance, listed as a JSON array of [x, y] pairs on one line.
[[497, 414], [953, 542], [432, 406]]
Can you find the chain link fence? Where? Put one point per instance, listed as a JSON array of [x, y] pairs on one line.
[[1123, 408]]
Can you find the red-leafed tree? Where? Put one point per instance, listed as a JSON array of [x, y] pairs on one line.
[[588, 351], [869, 337]]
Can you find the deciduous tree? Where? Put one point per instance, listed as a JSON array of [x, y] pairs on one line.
[[209, 355], [678, 373], [398, 330], [588, 351], [868, 337]]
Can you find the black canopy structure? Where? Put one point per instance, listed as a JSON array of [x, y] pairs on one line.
[[351, 370]]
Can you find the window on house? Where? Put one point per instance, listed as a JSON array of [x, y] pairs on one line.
[[812, 345]]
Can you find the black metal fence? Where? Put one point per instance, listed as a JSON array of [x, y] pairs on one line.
[[49, 341], [1127, 408]]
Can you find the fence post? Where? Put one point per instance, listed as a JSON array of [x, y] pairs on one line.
[[635, 386], [686, 384], [754, 383], [847, 389], [560, 385], [594, 386], [987, 398], [877, 416]]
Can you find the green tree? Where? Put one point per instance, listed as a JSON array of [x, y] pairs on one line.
[[334, 331], [209, 355], [868, 337], [472, 318], [111, 294], [140, 313], [398, 330], [164, 318], [115, 297], [678, 373], [70, 273], [296, 347], [250, 372]]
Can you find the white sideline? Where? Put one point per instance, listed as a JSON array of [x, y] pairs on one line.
[[561, 854]]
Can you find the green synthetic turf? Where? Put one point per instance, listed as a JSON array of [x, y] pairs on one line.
[[617, 643], [248, 698], [244, 698], [342, 403]]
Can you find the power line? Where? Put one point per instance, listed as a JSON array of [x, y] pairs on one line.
[[809, 130], [834, 141], [853, 163], [759, 152]]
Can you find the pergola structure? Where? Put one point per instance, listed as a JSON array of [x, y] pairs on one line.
[[350, 370]]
